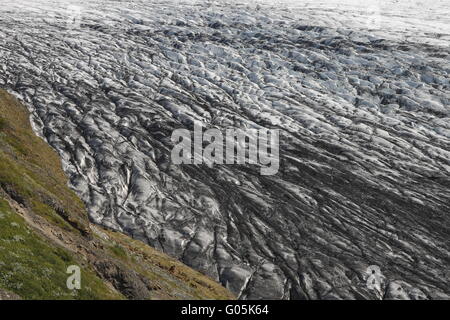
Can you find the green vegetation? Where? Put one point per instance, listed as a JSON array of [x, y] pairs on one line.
[[119, 252], [2, 124], [31, 170], [30, 173], [35, 270]]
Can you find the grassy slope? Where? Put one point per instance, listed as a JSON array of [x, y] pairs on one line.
[[36, 205], [33, 269]]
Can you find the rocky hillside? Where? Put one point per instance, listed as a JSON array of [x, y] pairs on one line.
[[44, 228]]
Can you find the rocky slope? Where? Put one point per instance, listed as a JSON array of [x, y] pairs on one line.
[[361, 98], [44, 228]]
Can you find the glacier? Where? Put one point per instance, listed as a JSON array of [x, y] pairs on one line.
[[359, 92]]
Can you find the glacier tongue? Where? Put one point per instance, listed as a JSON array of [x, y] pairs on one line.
[[361, 98]]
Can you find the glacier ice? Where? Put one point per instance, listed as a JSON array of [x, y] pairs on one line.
[[360, 94]]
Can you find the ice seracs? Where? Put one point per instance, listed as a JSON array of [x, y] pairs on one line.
[[362, 109]]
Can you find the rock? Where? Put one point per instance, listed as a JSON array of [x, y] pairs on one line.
[[126, 281]]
